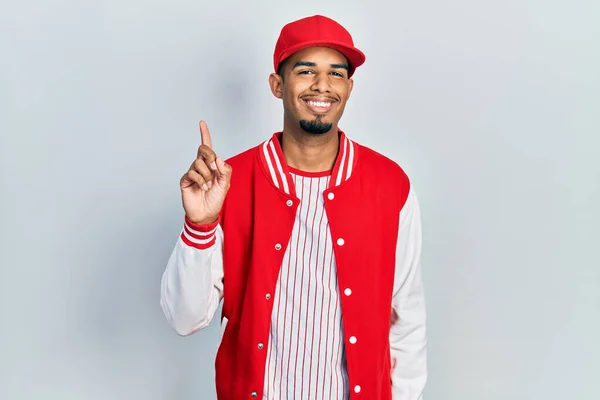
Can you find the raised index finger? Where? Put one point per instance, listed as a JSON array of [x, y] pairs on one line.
[[205, 134]]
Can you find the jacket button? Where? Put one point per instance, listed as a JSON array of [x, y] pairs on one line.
[[352, 339], [330, 196], [340, 242], [260, 346], [289, 203], [255, 395], [268, 296], [278, 246], [347, 291], [357, 389]]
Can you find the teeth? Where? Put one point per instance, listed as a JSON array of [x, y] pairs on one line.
[[319, 103]]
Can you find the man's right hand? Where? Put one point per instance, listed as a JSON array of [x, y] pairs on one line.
[[205, 185]]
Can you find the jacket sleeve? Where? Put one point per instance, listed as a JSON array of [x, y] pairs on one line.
[[192, 283], [408, 340]]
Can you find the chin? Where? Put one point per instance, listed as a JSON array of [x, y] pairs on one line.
[[315, 126]]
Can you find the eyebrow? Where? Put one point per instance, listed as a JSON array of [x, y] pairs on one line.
[[312, 64], [340, 66]]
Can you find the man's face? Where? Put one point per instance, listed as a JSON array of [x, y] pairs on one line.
[[314, 87]]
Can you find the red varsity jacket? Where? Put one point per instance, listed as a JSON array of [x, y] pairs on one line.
[[375, 228]]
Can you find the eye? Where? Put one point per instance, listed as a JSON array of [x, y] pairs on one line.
[[338, 74], [305, 72]]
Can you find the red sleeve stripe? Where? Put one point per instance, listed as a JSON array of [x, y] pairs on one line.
[[199, 236], [196, 234], [200, 245]]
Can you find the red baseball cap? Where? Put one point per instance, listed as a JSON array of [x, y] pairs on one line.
[[316, 30]]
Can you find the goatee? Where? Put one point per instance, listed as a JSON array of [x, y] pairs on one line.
[[316, 126]]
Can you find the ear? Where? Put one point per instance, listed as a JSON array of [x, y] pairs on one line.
[[276, 84]]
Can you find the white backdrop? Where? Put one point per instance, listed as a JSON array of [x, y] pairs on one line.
[[491, 107]]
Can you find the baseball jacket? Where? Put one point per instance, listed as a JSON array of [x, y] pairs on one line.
[[375, 225]]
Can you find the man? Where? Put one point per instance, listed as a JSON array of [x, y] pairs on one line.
[[311, 240]]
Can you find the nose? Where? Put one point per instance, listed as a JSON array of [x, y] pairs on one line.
[[321, 83]]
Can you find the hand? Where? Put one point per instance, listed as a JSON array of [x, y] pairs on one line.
[[393, 319], [205, 185]]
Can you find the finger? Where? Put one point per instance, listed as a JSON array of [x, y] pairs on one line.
[[208, 155], [223, 169], [201, 168], [185, 181], [205, 134], [188, 180], [195, 177]]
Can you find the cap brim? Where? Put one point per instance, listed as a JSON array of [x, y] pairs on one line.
[[355, 57]]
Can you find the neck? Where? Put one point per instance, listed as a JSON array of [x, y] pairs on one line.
[[310, 152]]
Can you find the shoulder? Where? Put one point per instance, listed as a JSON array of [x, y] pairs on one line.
[[373, 162]]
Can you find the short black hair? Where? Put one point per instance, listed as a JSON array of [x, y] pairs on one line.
[[280, 67]]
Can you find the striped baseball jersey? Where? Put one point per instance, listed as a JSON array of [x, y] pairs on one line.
[[306, 354]]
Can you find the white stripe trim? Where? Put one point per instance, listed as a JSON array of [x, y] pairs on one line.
[[338, 179], [195, 232], [196, 241], [350, 159], [286, 188], [268, 158]]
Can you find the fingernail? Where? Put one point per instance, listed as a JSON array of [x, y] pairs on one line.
[[209, 184], [204, 186], [213, 165]]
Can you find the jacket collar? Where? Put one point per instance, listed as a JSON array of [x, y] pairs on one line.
[[276, 168]]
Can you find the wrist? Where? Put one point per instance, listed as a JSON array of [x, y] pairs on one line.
[[205, 221]]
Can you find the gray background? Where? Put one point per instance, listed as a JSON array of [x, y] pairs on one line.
[[491, 107]]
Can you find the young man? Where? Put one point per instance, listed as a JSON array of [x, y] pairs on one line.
[[311, 240]]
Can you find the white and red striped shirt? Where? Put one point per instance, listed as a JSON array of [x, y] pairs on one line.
[[306, 352]]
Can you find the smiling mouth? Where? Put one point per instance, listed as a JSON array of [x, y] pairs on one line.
[[319, 106]]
